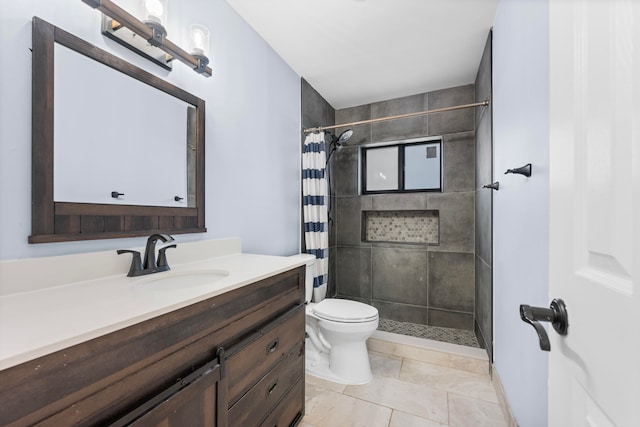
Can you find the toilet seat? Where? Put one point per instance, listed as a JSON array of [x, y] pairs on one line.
[[345, 311]]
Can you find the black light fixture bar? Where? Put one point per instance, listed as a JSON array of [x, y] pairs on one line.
[[115, 12]]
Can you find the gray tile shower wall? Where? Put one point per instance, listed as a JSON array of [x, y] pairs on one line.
[[316, 111], [483, 205], [394, 130], [451, 121], [417, 283], [399, 275], [456, 220], [344, 182], [449, 276], [361, 133], [459, 152]]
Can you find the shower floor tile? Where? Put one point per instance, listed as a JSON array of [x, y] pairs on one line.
[[449, 335]]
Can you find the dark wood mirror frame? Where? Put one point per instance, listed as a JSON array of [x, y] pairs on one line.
[[61, 221]]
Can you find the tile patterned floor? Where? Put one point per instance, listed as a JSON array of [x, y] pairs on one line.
[[404, 393], [450, 335]]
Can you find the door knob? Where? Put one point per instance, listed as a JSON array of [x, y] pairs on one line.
[[556, 314]]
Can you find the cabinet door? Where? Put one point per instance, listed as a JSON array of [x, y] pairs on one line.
[[195, 401]]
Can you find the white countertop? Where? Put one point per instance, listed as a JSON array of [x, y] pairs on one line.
[[50, 318]]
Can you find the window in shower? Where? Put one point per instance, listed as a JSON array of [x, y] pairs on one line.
[[402, 167]]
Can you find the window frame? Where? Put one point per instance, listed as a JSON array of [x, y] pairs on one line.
[[401, 165]]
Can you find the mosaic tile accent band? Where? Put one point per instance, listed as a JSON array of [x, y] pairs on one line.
[[402, 226], [450, 335]]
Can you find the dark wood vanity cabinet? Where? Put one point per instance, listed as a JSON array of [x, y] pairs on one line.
[[195, 402], [236, 359]]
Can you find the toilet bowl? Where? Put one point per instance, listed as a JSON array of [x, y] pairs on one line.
[[337, 332]]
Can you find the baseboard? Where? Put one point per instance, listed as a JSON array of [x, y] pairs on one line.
[[502, 400]]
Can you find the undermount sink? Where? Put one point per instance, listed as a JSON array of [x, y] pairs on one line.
[[179, 280]]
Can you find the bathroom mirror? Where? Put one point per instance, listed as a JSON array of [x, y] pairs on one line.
[[117, 151]]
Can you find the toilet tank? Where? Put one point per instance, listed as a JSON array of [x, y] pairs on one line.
[[310, 261]]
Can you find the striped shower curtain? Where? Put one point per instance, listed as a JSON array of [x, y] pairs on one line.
[[315, 198]]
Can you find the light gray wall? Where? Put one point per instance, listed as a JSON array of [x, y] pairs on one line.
[[252, 126], [431, 285], [521, 207]]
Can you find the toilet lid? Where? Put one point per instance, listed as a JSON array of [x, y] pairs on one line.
[[342, 310]]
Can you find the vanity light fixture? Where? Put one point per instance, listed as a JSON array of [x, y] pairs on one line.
[[199, 38], [149, 37]]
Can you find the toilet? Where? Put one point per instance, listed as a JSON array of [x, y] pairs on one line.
[[337, 332]]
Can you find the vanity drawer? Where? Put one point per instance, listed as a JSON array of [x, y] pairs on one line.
[[290, 410], [260, 352], [264, 396]]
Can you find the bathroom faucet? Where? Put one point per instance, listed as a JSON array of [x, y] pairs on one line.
[[150, 250], [150, 265]]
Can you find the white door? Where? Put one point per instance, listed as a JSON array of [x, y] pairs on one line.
[[594, 371]]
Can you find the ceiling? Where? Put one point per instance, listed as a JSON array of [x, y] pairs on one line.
[[356, 52]]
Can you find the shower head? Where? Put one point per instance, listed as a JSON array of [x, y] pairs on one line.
[[344, 136], [339, 140]]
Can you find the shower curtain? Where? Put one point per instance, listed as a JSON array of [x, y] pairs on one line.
[[315, 198]]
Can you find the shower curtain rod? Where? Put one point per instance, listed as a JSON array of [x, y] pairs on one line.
[[399, 116]]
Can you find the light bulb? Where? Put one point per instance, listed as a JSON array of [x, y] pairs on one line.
[[199, 38], [154, 7], [155, 10]]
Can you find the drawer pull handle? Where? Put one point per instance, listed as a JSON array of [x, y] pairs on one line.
[[271, 389], [273, 345]]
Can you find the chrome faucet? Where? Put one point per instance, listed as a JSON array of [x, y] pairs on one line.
[[150, 265]]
